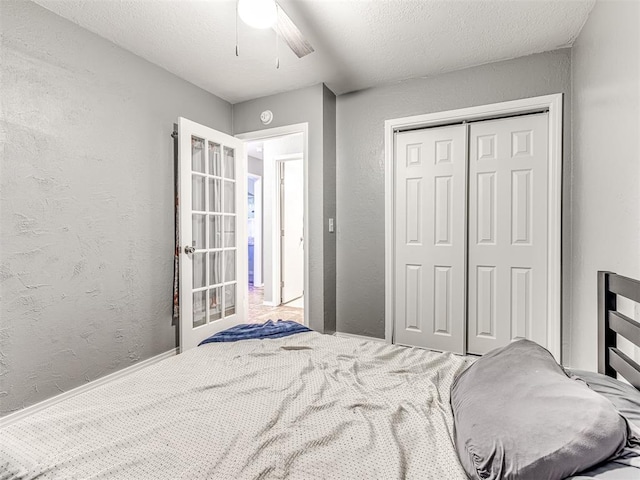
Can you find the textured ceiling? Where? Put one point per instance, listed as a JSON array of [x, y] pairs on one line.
[[358, 43]]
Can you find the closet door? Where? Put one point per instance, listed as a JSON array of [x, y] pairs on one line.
[[430, 212], [508, 181]]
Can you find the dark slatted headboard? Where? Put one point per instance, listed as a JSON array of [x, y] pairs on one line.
[[612, 323]]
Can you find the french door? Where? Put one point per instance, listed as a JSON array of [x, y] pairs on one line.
[[213, 238]]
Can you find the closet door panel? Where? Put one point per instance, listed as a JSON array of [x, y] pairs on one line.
[[508, 170], [430, 209]]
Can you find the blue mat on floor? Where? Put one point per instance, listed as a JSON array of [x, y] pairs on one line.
[[247, 331]]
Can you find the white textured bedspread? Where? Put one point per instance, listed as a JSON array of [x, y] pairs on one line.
[[307, 406]]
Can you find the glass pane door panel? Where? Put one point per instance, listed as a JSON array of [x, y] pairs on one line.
[[199, 270], [229, 300], [197, 193], [229, 265], [230, 231], [215, 266], [229, 197], [215, 195], [199, 308], [215, 231], [199, 231], [215, 304], [215, 160], [229, 163], [197, 154], [211, 292]]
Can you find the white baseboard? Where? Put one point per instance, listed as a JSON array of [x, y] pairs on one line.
[[25, 412], [359, 337]]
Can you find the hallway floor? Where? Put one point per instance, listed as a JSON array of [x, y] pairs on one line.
[[259, 313]]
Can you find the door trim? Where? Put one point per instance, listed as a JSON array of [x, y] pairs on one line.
[[552, 103], [279, 132]]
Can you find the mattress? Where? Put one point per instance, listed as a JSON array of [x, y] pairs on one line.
[[300, 407]]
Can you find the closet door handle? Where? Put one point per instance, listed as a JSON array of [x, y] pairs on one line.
[[189, 250]]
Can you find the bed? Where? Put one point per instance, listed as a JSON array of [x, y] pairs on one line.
[[302, 406]]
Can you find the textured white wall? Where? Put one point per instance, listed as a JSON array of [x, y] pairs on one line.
[[86, 220], [605, 180], [360, 164]]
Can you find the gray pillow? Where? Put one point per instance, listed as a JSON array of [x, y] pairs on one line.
[[624, 397], [518, 415]]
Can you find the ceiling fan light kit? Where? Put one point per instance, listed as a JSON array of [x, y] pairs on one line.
[[258, 13], [268, 14]]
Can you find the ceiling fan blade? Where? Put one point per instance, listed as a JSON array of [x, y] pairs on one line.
[[290, 34]]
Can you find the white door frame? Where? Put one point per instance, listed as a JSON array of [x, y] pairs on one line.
[[552, 103], [280, 132], [257, 219]]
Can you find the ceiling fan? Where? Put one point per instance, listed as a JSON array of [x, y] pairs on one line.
[[269, 14]]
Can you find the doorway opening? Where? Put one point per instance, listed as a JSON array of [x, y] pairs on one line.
[[276, 203]]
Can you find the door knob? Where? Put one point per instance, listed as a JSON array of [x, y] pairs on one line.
[[189, 250]]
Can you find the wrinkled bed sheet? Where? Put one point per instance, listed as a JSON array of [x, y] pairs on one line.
[[301, 407]]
